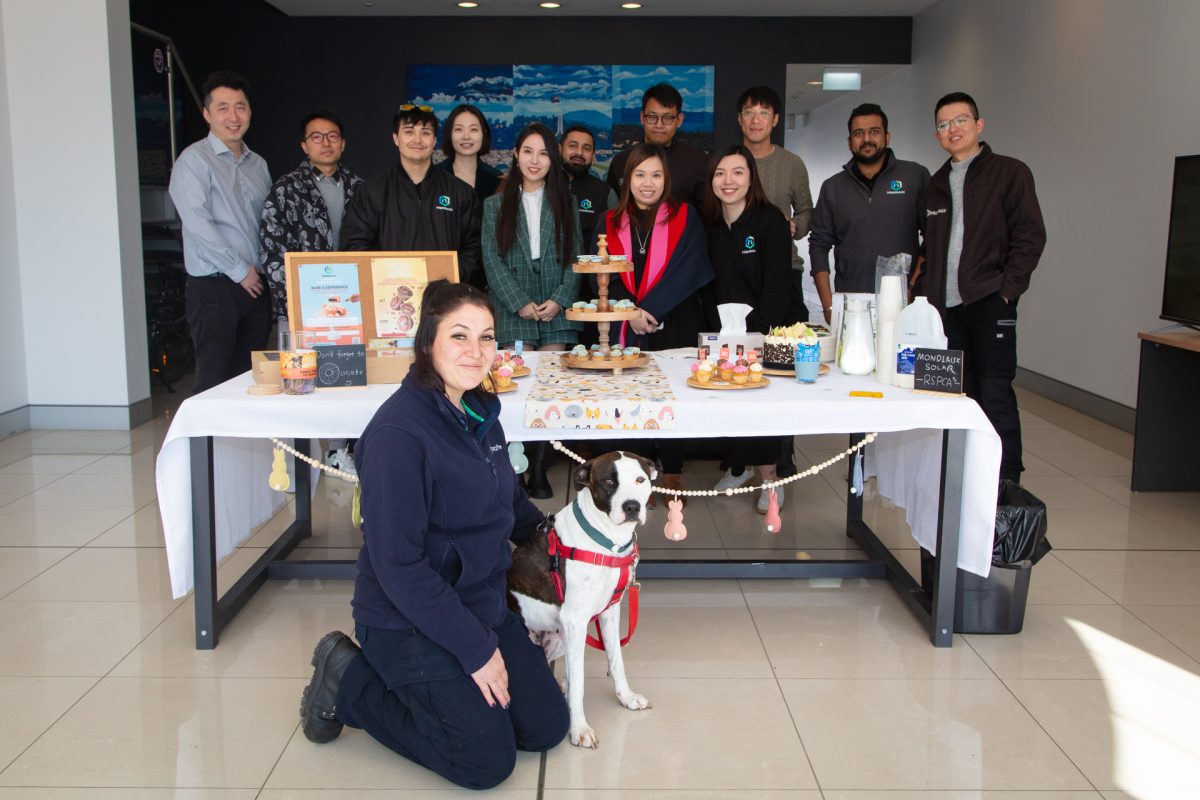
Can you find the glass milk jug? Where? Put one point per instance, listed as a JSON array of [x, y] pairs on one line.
[[858, 341]]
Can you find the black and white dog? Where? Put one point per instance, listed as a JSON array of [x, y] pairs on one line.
[[596, 558]]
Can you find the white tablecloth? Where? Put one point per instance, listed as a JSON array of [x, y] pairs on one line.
[[907, 458]]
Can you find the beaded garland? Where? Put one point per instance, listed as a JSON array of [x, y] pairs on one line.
[[562, 448]]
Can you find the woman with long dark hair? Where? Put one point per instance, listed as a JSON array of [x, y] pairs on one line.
[[664, 239], [530, 240], [446, 675], [466, 139], [750, 246]]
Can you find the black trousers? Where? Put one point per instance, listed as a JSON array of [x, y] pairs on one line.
[[226, 324], [986, 332], [412, 696], [744, 451]]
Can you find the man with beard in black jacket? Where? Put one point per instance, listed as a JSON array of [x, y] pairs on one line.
[[415, 207]]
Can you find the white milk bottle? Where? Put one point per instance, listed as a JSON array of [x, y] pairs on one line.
[[918, 325]]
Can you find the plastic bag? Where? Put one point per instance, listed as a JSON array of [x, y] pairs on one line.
[[899, 264], [1021, 524]]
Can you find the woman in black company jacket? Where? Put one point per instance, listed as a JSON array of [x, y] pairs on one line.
[[447, 676], [750, 246]]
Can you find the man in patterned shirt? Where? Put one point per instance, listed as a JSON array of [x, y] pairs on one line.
[[303, 211]]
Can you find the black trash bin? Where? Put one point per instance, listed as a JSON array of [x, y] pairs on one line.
[[996, 604]]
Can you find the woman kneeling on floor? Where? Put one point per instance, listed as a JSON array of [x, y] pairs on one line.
[[446, 676]]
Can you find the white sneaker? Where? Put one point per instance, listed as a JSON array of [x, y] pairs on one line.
[[341, 459], [731, 481], [764, 499]]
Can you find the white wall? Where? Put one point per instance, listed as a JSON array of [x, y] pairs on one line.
[[1098, 97], [77, 237], [14, 390]]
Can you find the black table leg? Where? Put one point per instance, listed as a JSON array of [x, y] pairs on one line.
[[204, 542], [954, 450]]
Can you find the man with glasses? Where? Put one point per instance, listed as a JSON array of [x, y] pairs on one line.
[[218, 186], [873, 207], [662, 117], [984, 236], [415, 207], [578, 150], [303, 211], [784, 178]]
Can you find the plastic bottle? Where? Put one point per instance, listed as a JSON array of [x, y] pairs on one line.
[[918, 325]]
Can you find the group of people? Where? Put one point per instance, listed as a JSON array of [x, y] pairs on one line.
[[443, 672]]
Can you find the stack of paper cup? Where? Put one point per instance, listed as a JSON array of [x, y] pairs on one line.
[[888, 304]]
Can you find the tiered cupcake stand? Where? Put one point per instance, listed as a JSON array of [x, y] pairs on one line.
[[604, 315]]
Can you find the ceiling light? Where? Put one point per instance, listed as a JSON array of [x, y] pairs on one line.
[[631, 6], [549, 5], [813, 83], [468, 5], [842, 80]]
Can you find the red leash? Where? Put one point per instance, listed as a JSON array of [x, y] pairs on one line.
[[626, 564]]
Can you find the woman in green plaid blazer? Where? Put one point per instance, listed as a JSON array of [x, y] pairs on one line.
[[530, 277]]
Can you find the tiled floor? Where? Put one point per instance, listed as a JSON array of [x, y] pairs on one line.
[[780, 690]]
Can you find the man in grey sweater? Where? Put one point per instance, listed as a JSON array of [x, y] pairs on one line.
[[784, 178]]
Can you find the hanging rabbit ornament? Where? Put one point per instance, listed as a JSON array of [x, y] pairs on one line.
[[517, 457], [675, 530], [278, 479], [772, 521]]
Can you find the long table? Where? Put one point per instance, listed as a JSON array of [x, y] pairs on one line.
[[937, 457]]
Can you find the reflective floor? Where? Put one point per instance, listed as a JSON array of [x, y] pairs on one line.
[[780, 690]]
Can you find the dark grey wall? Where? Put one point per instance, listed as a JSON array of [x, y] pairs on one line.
[[355, 65]]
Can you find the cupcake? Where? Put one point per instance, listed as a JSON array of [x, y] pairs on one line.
[[726, 370], [518, 362], [504, 377], [580, 351], [704, 371], [632, 353], [616, 352], [598, 355], [589, 308], [741, 374], [755, 372], [578, 306]]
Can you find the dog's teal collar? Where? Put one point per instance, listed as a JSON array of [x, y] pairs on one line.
[[595, 535]]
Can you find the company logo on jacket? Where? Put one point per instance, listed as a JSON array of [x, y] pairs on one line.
[[748, 244], [896, 187], [444, 202], [933, 212], [585, 205]]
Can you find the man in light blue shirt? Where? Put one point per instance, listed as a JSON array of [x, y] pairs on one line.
[[218, 187]]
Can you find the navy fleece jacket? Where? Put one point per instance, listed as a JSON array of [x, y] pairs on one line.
[[440, 502]]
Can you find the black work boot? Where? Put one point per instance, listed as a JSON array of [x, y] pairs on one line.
[[318, 705], [535, 479]]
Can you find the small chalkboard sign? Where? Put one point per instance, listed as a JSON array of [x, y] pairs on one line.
[[938, 371], [341, 365]]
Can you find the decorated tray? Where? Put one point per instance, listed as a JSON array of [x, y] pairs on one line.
[[790, 372], [521, 372], [584, 362], [717, 383], [576, 315]]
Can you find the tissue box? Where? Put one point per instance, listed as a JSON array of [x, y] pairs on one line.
[[714, 341]]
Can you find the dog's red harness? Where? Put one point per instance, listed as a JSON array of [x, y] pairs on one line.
[[626, 564]]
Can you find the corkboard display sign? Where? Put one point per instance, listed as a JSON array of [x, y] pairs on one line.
[[368, 299]]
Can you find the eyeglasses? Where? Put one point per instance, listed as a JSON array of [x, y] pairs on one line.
[[960, 121], [410, 107], [316, 137], [859, 133], [762, 113], [666, 119]]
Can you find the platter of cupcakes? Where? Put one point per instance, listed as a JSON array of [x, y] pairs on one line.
[[514, 361], [499, 381], [601, 310], [615, 358], [742, 370]]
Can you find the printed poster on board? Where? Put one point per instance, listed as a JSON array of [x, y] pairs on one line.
[[330, 303], [398, 284]]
